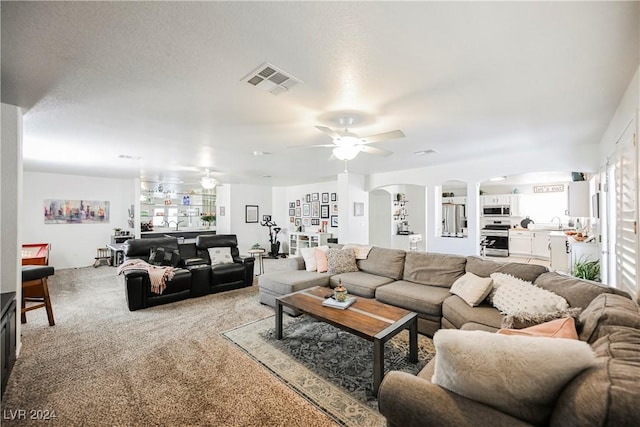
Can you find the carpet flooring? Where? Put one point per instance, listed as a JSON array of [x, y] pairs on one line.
[[330, 367], [165, 366]]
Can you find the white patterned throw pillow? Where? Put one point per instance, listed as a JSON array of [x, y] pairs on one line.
[[513, 295], [220, 256], [309, 256]]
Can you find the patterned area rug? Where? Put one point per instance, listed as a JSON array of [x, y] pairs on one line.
[[331, 368]]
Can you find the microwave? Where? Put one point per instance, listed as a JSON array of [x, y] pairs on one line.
[[496, 210]]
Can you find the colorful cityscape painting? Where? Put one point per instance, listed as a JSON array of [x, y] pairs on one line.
[[76, 211]]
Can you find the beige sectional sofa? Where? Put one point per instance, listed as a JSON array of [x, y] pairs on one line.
[[604, 395]]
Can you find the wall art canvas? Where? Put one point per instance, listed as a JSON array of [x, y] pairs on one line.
[[315, 209], [58, 211]]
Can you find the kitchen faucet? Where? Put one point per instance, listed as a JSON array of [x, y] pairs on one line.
[[559, 222], [176, 223]]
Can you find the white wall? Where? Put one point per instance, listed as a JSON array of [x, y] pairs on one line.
[[11, 205], [357, 227], [379, 218], [223, 202], [248, 233], [73, 245], [10, 200]]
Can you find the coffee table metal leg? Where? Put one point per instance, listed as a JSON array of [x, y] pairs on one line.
[[278, 320], [378, 364], [413, 341]]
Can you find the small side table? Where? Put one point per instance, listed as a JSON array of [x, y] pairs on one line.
[[117, 253], [260, 254]]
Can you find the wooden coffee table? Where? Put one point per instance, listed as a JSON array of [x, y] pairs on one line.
[[366, 318]]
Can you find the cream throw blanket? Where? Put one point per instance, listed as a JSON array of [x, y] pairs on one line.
[[158, 275]]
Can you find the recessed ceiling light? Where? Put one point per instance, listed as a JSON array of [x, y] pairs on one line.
[[261, 153], [498, 178], [128, 157], [425, 152]]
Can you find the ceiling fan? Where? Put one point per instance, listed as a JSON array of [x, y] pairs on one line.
[[346, 145]]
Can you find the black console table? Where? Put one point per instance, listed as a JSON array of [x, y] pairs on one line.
[[8, 335]]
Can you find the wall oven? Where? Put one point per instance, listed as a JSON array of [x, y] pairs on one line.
[[496, 210], [495, 239]]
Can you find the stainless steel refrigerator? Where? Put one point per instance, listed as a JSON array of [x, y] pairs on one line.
[[454, 219]]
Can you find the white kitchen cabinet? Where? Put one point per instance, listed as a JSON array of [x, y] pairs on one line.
[[558, 252], [458, 200], [515, 204], [578, 199], [299, 240], [540, 244], [520, 242], [495, 199]]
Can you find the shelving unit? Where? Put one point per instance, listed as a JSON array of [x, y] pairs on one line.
[[299, 240], [170, 207]]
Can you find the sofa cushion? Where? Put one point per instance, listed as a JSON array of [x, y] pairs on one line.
[[458, 312], [322, 264], [309, 256], [341, 261], [220, 255], [606, 394], [577, 292], [433, 269], [516, 296], [484, 267], [383, 262], [360, 283], [525, 320], [472, 289], [164, 256], [287, 281], [521, 376], [423, 299], [558, 328], [608, 309], [361, 251]]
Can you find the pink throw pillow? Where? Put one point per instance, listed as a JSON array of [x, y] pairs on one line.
[[321, 261], [559, 328]]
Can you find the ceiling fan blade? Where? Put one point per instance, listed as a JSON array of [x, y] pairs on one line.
[[376, 151], [394, 134], [312, 145], [328, 131]]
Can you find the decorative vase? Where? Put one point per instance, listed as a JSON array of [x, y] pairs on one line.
[[340, 293]]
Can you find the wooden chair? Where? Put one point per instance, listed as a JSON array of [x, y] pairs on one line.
[[102, 257], [36, 289]]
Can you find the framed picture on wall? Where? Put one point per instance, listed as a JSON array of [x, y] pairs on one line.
[[298, 222], [291, 219], [315, 209], [324, 211], [306, 209], [298, 212], [292, 212], [292, 205], [308, 198], [334, 220], [334, 209], [250, 213], [298, 202], [325, 197], [315, 221], [306, 222], [334, 197], [315, 197]]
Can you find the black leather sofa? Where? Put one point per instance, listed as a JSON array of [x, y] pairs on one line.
[[194, 275]]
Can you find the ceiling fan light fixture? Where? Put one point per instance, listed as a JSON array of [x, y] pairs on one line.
[[207, 182], [346, 152]]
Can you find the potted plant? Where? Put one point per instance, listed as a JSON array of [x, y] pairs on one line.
[[208, 218], [117, 231], [589, 270]]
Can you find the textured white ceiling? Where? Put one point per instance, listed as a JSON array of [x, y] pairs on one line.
[[162, 80]]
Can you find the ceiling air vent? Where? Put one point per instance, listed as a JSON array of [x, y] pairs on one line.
[[271, 79]]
